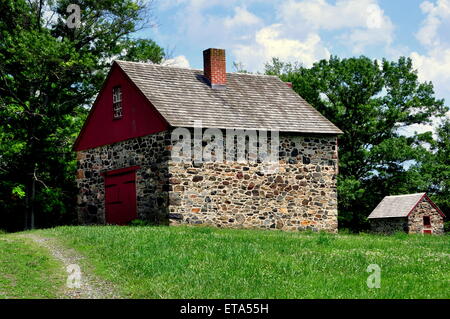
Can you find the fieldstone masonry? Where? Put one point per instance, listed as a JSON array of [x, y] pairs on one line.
[[151, 153], [389, 225], [415, 220], [300, 195]]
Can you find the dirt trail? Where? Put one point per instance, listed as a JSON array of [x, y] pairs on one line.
[[91, 287]]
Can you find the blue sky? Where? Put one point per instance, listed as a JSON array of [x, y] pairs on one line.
[[253, 31]]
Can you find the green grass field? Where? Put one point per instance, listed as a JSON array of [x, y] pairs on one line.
[[200, 262], [27, 270]]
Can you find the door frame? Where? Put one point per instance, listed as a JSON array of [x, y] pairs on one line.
[[120, 171], [116, 172]]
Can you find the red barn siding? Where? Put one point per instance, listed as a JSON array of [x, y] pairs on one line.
[[140, 118]]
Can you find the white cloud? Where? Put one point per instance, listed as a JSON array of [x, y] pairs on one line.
[[201, 22], [319, 14], [294, 32], [378, 32], [270, 42], [241, 18], [434, 64], [435, 27], [359, 23], [204, 4], [180, 62]]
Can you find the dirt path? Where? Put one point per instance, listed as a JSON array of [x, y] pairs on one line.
[[90, 286]]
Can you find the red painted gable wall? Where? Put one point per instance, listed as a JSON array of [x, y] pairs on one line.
[[139, 118]]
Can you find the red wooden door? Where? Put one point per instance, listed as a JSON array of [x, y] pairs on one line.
[[120, 196], [427, 231]]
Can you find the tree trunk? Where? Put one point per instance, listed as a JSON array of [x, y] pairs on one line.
[[33, 197], [30, 198], [27, 206]]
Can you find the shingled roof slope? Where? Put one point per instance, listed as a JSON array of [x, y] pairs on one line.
[[396, 206], [248, 102]]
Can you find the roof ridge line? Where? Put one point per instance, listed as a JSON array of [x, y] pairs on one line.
[[193, 69], [406, 194]]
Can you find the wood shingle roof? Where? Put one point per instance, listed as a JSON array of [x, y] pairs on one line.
[[396, 206], [183, 96]]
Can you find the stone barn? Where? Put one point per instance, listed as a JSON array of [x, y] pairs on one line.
[[411, 213], [125, 151]]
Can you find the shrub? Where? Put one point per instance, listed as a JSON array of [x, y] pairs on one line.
[[447, 227]]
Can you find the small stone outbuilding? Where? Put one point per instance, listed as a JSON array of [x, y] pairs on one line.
[[411, 213]]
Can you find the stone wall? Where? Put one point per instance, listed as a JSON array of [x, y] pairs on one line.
[[301, 195], [389, 225], [150, 152], [415, 220]]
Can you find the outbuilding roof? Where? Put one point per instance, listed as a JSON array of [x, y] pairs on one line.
[[183, 96], [399, 206]]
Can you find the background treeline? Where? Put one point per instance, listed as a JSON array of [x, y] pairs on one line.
[[50, 75]]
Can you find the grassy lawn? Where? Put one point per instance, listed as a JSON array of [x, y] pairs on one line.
[[27, 270], [200, 262]]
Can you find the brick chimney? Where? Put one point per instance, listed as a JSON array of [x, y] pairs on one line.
[[214, 68]]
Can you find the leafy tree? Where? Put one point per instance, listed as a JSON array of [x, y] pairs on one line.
[[435, 168], [49, 73], [373, 103], [239, 67]]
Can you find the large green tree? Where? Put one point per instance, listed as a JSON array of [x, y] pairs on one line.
[[51, 67], [435, 167], [374, 103]]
